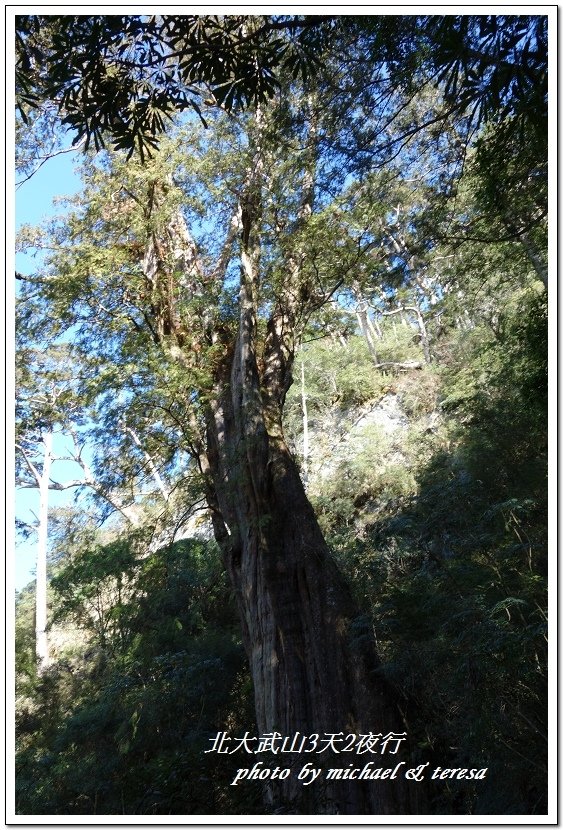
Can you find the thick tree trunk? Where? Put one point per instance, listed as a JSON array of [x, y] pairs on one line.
[[313, 664]]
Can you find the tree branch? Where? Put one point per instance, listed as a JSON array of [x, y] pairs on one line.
[[30, 465], [51, 156]]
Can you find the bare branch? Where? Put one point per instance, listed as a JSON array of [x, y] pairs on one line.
[[72, 149], [30, 465], [67, 485], [34, 279], [152, 466]]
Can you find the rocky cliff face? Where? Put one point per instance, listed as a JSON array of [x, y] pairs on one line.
[[378, 427], [363, 458]]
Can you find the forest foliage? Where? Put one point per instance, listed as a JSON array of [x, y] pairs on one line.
[[417, 412]]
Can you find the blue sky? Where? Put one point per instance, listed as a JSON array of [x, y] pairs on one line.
[[34, 203], [34, 198]]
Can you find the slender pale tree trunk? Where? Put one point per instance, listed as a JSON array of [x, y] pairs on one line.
[[540, 266], [41, 639], [421, 326], [366, 329], [423, 335], [305, 426]]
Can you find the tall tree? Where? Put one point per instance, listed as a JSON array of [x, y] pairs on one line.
[[227, 318]]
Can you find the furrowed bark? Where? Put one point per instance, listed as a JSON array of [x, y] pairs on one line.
[[313, 664]]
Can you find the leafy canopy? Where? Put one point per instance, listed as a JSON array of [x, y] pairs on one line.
[[125, 76]]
